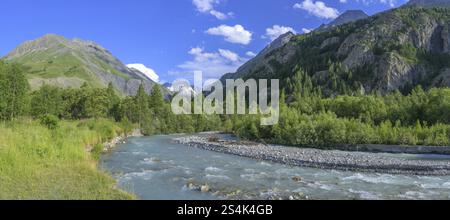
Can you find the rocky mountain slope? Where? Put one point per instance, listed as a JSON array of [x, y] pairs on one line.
[[346, 17], [429, 3], [62, 62], [394, 50], [260, 60]]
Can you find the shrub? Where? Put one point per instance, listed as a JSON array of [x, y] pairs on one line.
[[49, 121]]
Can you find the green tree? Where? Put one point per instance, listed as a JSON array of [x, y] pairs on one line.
[[73, 103], [114, 103], [13, 90], [142, 106], [47, 100], [96, 103], [156, 100]]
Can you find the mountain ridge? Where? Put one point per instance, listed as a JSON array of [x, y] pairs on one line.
[[393, 50], [58, 61], [429, 3], [346, 17]]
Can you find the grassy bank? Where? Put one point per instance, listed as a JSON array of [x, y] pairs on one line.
[[39, 163]]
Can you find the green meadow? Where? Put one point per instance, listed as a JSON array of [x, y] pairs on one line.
[[41, 163]]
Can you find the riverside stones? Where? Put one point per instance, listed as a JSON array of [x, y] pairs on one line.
[[322, 159]]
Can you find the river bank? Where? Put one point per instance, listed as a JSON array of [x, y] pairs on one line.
[[120, 139], [315, 158], [158, 168], [46, 164]]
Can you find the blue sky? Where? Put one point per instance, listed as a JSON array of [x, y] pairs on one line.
[[174, 37]]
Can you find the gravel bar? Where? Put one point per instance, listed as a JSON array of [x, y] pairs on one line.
[[322, 159]]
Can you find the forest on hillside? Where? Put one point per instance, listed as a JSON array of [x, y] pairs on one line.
[[307, 118]]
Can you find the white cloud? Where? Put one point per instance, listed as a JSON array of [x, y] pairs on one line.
[[274, 32], [318, 9], [306, 30], [251, 54], [212, 64], [391, 3], [219, 15], [233, 34], [229, 55], [149, 73], [208, 7], [204, 5]]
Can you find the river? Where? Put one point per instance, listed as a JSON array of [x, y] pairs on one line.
[[154, 168]]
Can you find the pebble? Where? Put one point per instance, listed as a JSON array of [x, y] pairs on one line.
[[323, 159]]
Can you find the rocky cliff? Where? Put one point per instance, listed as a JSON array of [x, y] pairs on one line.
[[429, 3], [394, 50]]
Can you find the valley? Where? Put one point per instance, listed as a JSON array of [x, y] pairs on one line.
[[364, 113]]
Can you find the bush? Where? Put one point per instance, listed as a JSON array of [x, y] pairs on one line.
[[49, 121]]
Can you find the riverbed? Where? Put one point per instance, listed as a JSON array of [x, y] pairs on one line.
[[157, 168]]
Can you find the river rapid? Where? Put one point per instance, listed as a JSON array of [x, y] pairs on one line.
[[156, 168]]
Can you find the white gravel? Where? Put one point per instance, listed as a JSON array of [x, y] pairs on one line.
[[323, 159]]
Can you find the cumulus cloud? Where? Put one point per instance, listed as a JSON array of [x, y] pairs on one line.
[[250, 54], [232, 56], [233, 34], [391, 3], [275, 31], [208, 7], [212, 64], [149, 73], [318, 9]]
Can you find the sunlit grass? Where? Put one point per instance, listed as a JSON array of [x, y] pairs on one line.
[[38, 163]]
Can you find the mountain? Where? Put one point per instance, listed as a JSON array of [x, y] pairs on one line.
[[429, 3], [187, 91], [149, 73], [394, 50], [260, 60], [62, 62], [346, 17]]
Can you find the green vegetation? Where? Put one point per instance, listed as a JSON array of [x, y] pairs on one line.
[[39, 163], [45, 134], [421, 118], [13, 88], [384, 38], [52, 138]]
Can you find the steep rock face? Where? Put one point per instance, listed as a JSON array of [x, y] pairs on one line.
[[390, 51], [62, 62], [260, 61], [429, 3], [393, 69]]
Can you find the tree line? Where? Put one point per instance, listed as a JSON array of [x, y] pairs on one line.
[[151, 113], [307, 118]]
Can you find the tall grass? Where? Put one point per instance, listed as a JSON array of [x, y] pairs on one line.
[[39, 163]]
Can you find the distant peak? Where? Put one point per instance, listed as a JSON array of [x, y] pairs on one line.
[[347, 17], [355, 11], [51, 37], [289, 33], [355, 14]]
